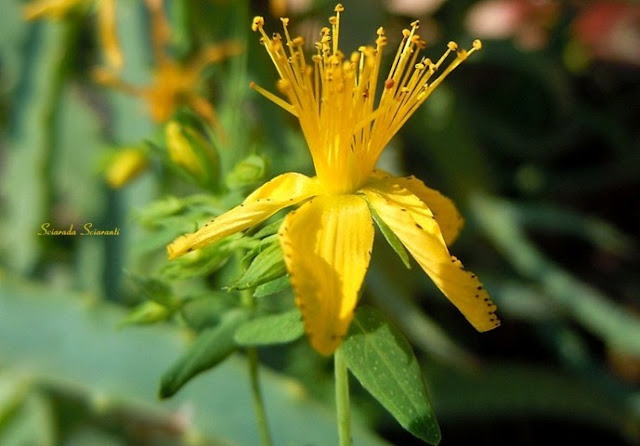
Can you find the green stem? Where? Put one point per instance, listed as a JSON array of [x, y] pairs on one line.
[[248, 301], [256, 393], [342, 398]]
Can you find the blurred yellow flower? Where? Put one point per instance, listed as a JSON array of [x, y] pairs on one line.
[[327, 242], [125, 165], [106, 10], [173, 84]]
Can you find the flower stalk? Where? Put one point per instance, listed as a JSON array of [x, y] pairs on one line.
[[248, 301], [256, 394], [342, 398]]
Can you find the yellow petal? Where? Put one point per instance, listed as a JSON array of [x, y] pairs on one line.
[[443, 209], [284, 190], [327, 247], [461, 287]]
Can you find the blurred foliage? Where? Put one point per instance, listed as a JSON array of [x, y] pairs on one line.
[[536, 139]]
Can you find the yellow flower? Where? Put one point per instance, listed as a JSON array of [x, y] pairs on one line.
[[173, 83], [327, 241], [126, 165], [106, 9]]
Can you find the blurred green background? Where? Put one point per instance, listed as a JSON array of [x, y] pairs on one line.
[[536, 138]]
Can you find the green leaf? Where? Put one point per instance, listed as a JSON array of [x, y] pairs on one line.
[[391, 238], [206, 310], [269, 229], [271, 329], [265, 267], [13, 389], [148, 312], [382, 360], [154, 290], [273, 287], [210, 348], [204, 261], [31, 424], [247, 172]]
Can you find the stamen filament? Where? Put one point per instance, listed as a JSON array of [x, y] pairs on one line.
[[273, 98]]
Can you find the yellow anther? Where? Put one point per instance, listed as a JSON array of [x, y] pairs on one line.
[[258, 22], [406, 32], [325, 31], [283, 85], [452, 46], [298, 41], [415, 24], [285, 21], [333, 20], [339, 8], [380, 31], [420, 66], [334, 59], [477, 44]]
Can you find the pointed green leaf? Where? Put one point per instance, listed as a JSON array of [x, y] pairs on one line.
[[210, 348], [391, 238], [247, 172], [266, 266], [148, 312], [205, 261], [271, 329], [381, 358], [154, 290], [269, 229], [273, 287], [206, 310]]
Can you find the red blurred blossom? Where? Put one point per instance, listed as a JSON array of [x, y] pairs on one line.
[[525, 21], [413, 8], [610, 30]]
